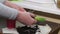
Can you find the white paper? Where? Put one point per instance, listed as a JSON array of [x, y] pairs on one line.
[[9, 31], [44, 29]]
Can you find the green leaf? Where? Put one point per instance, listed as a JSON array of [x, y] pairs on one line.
[[38, 18]]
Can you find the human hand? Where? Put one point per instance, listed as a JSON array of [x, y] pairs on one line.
[[25, 18], [32, 15]]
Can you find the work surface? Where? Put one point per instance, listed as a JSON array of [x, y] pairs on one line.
[[55, 29]]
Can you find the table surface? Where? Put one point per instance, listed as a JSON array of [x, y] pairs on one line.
[[54, 26]]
